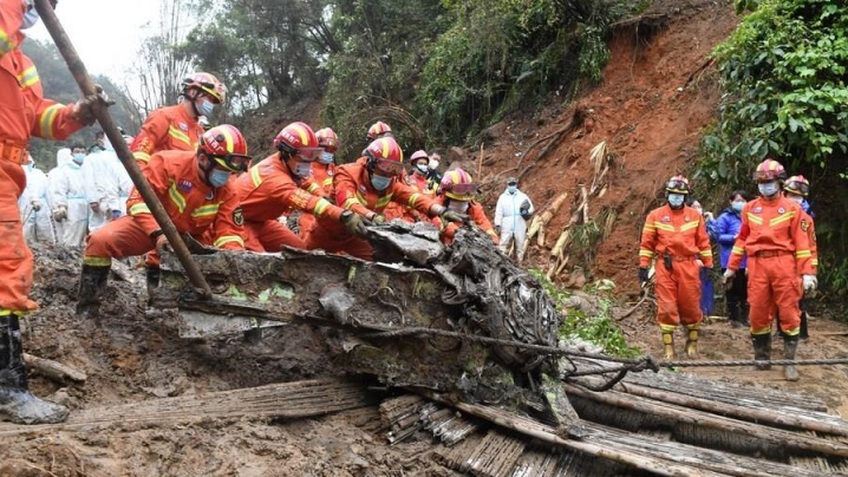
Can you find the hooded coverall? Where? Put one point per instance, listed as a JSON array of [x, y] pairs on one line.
[[37, 223], [165, 129], [477, 214], [778, 249], [192, 204], [23, 113], [354, 192], [269, 190], [508, 218], [66, 188], [322, 174], [107, 184], [678, 239]]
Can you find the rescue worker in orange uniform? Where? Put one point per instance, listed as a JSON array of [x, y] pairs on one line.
[[779, 252], [196, 191], [323, 170], [797, 189], [24, 112], [378, 130], [178, 127], [365, 187], [415, 177], [275, 187], [456, 192], [676, 235]]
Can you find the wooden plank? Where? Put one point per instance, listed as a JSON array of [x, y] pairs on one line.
[[675, 413], [54, 369], [288, 400], [496, 456]]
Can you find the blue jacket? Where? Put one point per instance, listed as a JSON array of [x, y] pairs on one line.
[[724, 230]]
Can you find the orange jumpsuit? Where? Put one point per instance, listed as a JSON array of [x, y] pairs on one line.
[[167, 128], [23, 113], [353, 190], [322, 174], [268, 191], [406, 213], [681, 236], [194, 207], [779, 252], [477, 214]]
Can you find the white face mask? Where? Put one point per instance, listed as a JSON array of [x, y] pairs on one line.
[[675, 200], [458, 206], [434, 164], [795, 198], [422, 168], [768, 189], [511, 189], [302, 169]]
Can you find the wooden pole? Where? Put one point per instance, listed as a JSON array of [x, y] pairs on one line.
[[78, 70]]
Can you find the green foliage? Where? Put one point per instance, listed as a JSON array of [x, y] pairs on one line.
[[784, 73], [600, 329]]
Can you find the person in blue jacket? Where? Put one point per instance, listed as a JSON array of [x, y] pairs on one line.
[[706, 274], [724, 230]]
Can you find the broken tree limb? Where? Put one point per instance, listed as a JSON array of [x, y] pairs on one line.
[[541, 220], [54, 370]]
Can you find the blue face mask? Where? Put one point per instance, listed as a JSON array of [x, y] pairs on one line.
[[79, 157], [30, 18], [675, 200], [326, 158], [422, 168], [380, 183], [768, 189], [218, 177], [737, 206], [302, 169], [205, 107], [512, 189]]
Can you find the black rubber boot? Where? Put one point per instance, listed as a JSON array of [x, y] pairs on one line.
[[92, 284], [17, 404], [762, 349], [790, 345], [744, 315], [152, 273]]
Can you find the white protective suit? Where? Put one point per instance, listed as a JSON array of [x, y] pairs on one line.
[[37, 224], [66, 187], [108, 185], [508, 218]]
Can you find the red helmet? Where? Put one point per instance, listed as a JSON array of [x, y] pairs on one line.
[[298, 139], [327, 139], [798, 185], [677, 185], [769, 170], [207, 83], [226, 145], [419, 154], [385, 156], [457, 184], [378, 129]]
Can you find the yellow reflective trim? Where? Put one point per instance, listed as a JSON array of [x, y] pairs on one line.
[[667, 328], [783, 218], [492, 232], [706, 253], [413, 199], [205, 210], [803, 254], [761, 331], [179, 135], [688, 225], [140, 208], [350, 202], [176, 197], [6, 43], [815, 262], [141, 156], [328, 182], [48, 117], [648, 228], [255, 176], [646, 253], [97, 261], [321, 206], [28, 77], [313, 187], [383, 201], [662, 226], [755, 218], [227, 239]]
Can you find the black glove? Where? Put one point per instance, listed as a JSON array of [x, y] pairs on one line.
[[354, 223], [452, 216], [643, 275]]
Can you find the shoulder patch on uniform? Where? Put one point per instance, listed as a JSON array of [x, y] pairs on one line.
[[666, 218], [238, 216], [805, 225], [185, 185], [183, 126]]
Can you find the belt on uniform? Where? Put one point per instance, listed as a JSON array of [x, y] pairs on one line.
[[771, 253], [14, 152], [685, 258]]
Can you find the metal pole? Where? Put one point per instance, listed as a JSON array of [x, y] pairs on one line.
[[75, 64]]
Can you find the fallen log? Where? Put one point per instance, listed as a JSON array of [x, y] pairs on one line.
[[54, 370], [537, 226]]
